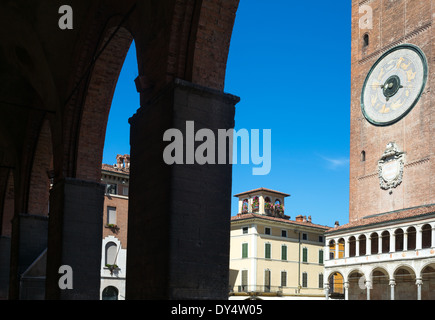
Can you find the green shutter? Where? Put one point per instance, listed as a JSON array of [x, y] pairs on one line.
[[321, 256], [283, 279], [267, 249], [244, 250], [320, 280], [267, 281], [304, 280], [305, 255], [283, 252]]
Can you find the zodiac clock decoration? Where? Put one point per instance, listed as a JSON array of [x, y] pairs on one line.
[[394, 85]]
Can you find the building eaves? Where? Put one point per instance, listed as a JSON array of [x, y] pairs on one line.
[[387, 218], [259, 190]]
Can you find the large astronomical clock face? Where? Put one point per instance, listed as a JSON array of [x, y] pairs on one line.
[[393, 85]]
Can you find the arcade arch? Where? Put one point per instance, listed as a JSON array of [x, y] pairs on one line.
[[182, 49]]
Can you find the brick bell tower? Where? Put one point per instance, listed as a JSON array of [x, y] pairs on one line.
[[392, 164]]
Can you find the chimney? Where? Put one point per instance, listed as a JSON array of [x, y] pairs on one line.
[[127, 161], [305, 219], [119, 161], [299, 218]]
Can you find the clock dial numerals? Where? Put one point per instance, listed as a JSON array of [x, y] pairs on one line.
[[394, 85]]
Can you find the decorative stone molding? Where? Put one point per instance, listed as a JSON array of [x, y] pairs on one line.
[[403, 39], [390, 167]]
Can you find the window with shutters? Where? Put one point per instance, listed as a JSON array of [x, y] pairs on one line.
[[320, 280], [267, 280], [111, 215], [305, 255], [304, 280], [283, 252], [283, 278], [244, 250], [267, 249], [321, 256]]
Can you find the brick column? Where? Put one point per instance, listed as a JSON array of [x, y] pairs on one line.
[[5, 253], [179, 215], [29, 240], [74, 239]]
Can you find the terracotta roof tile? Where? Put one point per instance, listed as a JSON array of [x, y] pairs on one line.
[[261, 216], [111, 168], [387, 217]]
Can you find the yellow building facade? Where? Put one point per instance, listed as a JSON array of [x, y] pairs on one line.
[[271, 254]]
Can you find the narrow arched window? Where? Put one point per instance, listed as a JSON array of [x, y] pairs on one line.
[[426, 236], [110, 293], [366, 40], [245, 206], [110, 253], [363, 156], [255, 204]]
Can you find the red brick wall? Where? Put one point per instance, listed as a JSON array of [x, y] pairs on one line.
[[39, 180], [121, 205], [394, 22], [97, 105]]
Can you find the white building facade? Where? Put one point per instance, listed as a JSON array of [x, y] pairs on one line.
[[386, 257]]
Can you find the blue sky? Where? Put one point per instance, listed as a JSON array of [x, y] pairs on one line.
[[289, 62]]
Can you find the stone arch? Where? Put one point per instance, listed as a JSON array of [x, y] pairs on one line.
[[405, 277], [336, 285], [356, 284], [380, 279], [404, 266], [427, 275]]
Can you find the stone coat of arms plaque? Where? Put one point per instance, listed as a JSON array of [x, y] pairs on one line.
[[390, 167]]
